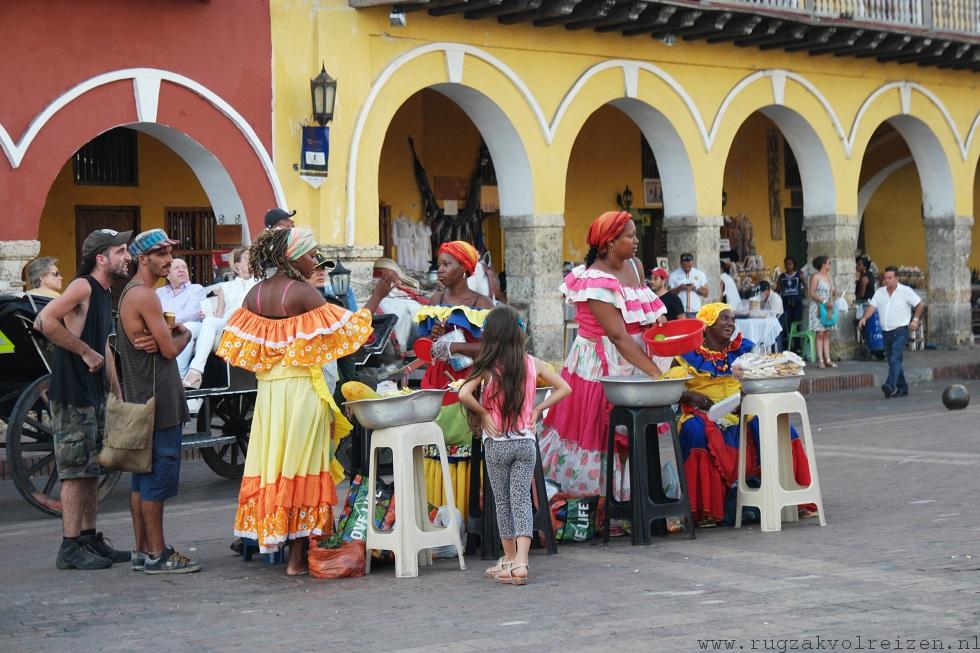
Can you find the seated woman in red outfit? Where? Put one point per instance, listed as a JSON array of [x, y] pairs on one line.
[[710, 449], [613, 306], [454, 320]]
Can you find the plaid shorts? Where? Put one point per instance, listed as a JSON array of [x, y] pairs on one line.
[[78, 432]]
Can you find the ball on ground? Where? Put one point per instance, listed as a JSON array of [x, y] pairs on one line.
[[956, 397]]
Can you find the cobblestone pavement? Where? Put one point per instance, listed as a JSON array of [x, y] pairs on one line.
[[899, 560]]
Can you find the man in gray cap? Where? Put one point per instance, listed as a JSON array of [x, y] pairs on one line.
[[78, 323]]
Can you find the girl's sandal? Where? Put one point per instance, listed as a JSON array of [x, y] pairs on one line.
[[497, 569], [507, 577]]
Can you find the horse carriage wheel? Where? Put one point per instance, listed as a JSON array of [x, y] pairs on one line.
[[230, 415], [30, 451]]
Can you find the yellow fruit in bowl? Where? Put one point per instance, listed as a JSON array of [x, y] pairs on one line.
[[674, 373], [541, 383], [659, 337], [356, 391]]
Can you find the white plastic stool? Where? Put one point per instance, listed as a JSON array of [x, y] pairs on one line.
[[413, 534], [778, 494]]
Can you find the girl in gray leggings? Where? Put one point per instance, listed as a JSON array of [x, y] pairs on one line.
[[499, 394]]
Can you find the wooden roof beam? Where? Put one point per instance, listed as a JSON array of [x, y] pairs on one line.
[[842, 42], [952, 53], [552, 9], [817, 37], [913, 52], [770, 32], [890, 45], [679, 21], [463, 5], [622, 15], [737, 29], [653, 18], [508, 7], [869, 44], [792, 34], [711, 25]]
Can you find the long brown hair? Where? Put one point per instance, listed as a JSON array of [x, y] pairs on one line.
[[502, 357]]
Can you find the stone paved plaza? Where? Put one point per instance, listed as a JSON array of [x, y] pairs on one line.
[[898, 561]]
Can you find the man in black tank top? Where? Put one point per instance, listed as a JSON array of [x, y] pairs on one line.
[[148, 374], [78, 324]]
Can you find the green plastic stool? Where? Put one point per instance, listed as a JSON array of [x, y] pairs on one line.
[[807, 340]]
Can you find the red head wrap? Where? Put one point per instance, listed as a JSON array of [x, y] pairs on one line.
[[463, 252], [607, 227]]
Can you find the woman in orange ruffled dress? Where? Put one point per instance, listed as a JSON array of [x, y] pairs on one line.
[[285, 333]]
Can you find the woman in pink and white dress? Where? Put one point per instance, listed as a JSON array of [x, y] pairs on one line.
[[613, 307]]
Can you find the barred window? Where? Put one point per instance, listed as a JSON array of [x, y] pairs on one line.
[[108, 160]]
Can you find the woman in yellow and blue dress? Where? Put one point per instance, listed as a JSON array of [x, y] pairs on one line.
[[454, 320]]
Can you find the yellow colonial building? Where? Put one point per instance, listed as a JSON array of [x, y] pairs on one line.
[[825, 125], [822, 127]]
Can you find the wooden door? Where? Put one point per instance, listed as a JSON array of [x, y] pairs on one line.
[[92, 218]]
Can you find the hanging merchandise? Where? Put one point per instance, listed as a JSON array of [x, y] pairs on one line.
[[467, 225], [402, 235]]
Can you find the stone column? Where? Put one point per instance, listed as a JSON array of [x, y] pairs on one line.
[[947, 253], [14, 255], [533, 262], [835, 236], [700, 236], [359, 259]]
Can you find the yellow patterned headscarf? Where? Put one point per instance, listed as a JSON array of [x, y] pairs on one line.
[[299, 242], [709, 312]]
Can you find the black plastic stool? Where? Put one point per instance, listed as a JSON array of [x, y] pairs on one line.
[[647, 503], [482, 523]]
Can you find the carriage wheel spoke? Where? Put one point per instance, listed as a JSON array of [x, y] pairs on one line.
[[39, 464], [234, 455], [36, 446], [39, 428], [51, 481]]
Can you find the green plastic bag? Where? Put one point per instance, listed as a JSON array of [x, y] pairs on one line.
[[580, 520], [454, 424]]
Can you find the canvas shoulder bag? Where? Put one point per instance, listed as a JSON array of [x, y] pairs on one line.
[[128, 442]]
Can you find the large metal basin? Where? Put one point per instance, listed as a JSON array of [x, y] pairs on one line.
[[641, 391], [420, 406], [541, 394], [773, 384]]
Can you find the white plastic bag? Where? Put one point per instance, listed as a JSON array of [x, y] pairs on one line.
[[443, 517]]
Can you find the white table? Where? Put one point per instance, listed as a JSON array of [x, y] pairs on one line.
[[763, 331]]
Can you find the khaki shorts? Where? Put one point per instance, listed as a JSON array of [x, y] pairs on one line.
[[78, 432]]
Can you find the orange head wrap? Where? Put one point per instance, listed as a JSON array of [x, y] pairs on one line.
[[463, 252], [607, 227]]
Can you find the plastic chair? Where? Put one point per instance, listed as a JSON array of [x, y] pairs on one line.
[[778, 495], [808, 340], [413, 536]]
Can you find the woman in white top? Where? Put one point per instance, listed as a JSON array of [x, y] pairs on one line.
[[230, 294]]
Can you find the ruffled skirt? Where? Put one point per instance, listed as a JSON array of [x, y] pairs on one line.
[[575, 435], [288, 490]]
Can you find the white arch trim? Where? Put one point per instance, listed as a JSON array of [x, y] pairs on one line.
[[871, 186], [455, 52], [146, 87]]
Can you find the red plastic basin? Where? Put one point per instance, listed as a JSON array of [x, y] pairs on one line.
[[680, 337]]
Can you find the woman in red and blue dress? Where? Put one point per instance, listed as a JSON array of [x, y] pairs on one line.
[[454, 320], [710, 449]]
